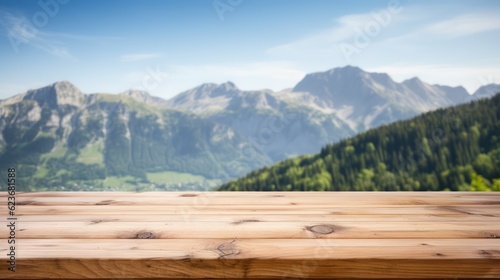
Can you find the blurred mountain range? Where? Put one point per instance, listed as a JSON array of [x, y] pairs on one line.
[[60, 138]]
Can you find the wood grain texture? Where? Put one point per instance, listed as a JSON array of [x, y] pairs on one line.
[[256, 229], [213, 209], [255, 235]]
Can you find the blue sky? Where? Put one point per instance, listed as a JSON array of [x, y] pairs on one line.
[[166, 47]]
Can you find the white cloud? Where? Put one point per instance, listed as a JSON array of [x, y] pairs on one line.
[[346, 28], [139, 57], [459, 26], [465, 25], [408, 35], [55, 50], [323, 42], [19, 30]]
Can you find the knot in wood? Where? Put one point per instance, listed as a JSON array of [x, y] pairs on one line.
[[188, 195], [27, 202], [105, 202], [322, 229], [245, 221], [145, 235], [227, 249]]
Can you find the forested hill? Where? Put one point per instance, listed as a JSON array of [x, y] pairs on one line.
[[456, 149]]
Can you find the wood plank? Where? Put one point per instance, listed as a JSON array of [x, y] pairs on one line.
[[240, 218], [258, 258], [266, 248], [259, 198], [254, 229], [491, 210], [202, 199], [254, 268], [257, 235]]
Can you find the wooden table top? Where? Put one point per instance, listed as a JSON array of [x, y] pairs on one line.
[[264, 235]]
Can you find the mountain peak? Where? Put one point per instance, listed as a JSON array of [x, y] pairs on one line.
[[332, 79], [413, 80], [337, 71], [137, 94], [228, 86], [65, 87], [414, 83], [348, 69], [143, 96], [206, 86], [228, 89], [58, 93], [487, 90]]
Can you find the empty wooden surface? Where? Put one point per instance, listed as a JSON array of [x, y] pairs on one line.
[[254, 235]]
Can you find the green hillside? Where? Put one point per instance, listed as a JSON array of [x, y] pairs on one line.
[[455, 149]]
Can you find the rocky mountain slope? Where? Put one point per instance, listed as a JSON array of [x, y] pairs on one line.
[[57, 136], [324, 107]]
